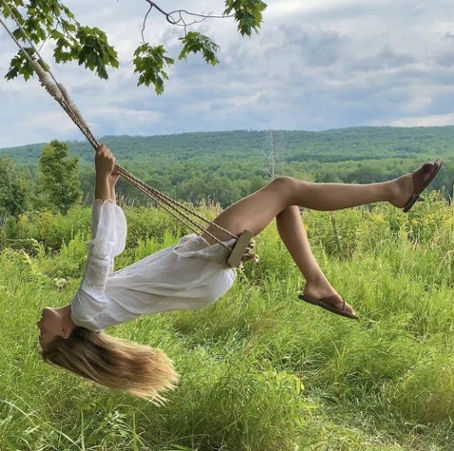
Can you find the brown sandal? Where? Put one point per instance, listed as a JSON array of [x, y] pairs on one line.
[[418, 181], [323, 304]]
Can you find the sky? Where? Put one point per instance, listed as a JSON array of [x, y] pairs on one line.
[[315, 65]]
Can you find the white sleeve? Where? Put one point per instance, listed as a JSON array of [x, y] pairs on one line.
[[108, 240], [108, 231], [108, 217]]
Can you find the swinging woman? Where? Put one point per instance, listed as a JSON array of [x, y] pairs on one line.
[[189, 275]]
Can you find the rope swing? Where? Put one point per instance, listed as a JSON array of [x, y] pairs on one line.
[[241, 250]]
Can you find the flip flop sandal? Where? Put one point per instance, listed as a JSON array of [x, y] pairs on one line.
[[323, 304], [428, 167]]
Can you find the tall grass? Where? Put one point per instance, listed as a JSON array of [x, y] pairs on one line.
[[260, 370]]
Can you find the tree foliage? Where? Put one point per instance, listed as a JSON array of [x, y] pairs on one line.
[[59, 177], [248, 14], [13, 189], [150, 63], [196, 42], [50, 21]]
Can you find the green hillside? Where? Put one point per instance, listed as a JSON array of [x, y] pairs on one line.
[[224, 166], [331, 145]]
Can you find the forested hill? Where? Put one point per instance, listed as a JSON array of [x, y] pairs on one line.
[[223, 166], [331, 145]]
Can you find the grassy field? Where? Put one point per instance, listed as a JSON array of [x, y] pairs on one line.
[[260, 370]]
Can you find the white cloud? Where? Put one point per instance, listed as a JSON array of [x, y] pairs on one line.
[[315, 65], [435, 120]]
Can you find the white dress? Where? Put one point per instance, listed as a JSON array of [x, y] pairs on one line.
[[189, 275]]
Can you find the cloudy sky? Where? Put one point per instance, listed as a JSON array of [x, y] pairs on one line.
[[317, 64]]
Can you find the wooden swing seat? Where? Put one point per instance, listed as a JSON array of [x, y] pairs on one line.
[[239, 248]]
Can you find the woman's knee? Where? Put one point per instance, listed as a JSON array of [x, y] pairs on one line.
[[287, 187], [283, 180], [285, 183]]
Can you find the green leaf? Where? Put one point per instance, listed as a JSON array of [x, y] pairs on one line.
[[150, 63], [95, 52], [196, 42], [20, 66], [248, 14]]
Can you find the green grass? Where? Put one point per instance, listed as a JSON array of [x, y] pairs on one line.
[[260, 370]]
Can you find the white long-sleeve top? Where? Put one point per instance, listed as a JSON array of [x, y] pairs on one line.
[[189, 275]]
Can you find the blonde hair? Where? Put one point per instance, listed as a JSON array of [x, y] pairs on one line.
[[114, 363]]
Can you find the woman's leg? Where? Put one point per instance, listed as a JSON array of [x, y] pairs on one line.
[[256, 211], [292, 232], [279, 199]]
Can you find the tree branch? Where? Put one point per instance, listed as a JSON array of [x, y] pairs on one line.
[[178, 17]]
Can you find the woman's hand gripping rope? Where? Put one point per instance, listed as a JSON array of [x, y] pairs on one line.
[[105, 178], [104, 161]]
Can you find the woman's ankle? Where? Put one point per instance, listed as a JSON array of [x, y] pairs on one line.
[[318, 287]]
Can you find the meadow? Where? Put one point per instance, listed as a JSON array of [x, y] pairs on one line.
[[259, 369]]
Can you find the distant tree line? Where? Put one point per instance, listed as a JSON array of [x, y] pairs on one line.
[[219, 167]]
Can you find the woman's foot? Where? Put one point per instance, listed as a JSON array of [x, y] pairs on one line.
[[325, 293], [405, 190]]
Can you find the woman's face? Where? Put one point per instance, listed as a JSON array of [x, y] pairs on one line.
[[50, 325]]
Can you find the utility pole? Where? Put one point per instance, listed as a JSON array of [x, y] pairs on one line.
[[272, 155]]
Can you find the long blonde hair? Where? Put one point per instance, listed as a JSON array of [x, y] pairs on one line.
[[114, 363]]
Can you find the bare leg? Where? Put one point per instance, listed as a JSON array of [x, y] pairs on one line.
[[279, 199], [292, 233], [256, 211], [335, 196]]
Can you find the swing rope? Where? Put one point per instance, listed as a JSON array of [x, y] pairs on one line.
[[59, 93]]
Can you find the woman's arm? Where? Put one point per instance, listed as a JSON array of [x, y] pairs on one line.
[[108, 223], [108, 240], [113, 178]]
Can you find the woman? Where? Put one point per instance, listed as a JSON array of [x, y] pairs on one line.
[[189, 275]]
